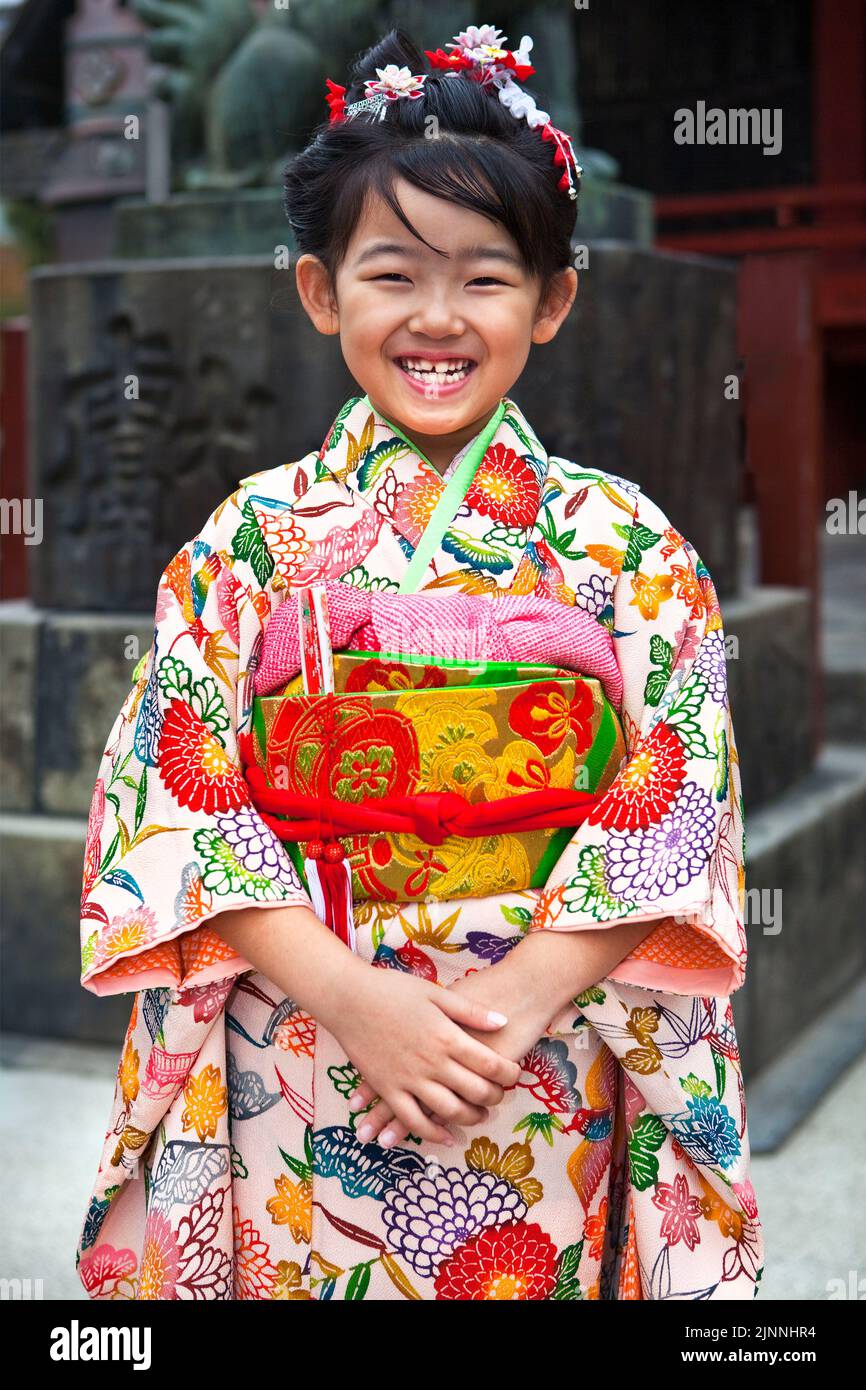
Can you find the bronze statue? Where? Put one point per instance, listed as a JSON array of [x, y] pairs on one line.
[[246, 78]]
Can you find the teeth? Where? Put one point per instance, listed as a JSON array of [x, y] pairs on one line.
[[421, 369], [447, 364]]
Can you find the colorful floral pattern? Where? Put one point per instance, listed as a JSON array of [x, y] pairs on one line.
[[505, 488], [546, 714], [647, 786], [618, 1166]]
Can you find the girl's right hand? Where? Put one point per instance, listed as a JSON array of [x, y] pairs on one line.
[[407, 1038]]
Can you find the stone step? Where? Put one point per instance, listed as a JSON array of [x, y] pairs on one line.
[[789, 1090], [65, 677], [805, 913], [40, 985], [767, 639], [806, 879], [843, 633]]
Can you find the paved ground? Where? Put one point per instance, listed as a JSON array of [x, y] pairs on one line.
[[843, 602], [55, 1103]]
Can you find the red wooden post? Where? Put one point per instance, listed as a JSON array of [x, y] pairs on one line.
[[839, 98], [780, 344]]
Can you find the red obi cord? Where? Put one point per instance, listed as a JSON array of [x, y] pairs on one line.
[[431, 816]]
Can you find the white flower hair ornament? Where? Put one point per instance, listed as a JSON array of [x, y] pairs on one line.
[[389, 85], [478, 53]]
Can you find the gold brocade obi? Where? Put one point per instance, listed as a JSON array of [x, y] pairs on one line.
[[441, 779]]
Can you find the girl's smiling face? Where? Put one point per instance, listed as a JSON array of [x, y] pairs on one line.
[[396, 299]]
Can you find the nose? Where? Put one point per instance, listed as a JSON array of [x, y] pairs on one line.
[[436, 316]]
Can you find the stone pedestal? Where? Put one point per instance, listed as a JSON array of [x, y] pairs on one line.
[[252, 222], [634, 383], [247, 223]]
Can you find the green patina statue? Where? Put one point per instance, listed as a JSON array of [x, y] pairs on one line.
[[246, 78]]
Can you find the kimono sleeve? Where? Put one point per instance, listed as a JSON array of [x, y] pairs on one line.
[[666, 839], [173, 838]]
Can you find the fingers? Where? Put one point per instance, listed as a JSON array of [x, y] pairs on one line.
[[380, 1122], [410, 1115], [383, 1125], [466, 1084], [394, 1133], [450, 1104], [370, 1125], [463, 1098], [362, 1097], [468, 1012], [442, 1105], [484, 1062]]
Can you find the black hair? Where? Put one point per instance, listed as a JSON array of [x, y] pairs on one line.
[[483, 158]]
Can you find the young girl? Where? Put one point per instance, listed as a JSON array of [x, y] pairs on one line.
[[525, 1094]]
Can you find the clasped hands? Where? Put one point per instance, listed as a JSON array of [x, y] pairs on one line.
[[429, 1056], [433, 1056]]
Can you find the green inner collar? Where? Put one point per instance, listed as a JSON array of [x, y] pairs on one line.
[[448, 505], [456, 489], [411, 442]]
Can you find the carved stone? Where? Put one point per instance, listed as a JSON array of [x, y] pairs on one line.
[[155, 388], [40, 991], [85, 674]]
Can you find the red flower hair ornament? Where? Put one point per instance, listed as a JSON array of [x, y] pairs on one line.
[[336, 99]]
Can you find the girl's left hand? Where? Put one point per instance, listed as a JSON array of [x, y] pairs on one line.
[[514, 1040]]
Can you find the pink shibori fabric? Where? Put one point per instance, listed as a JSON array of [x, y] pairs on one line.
[[512, 628]]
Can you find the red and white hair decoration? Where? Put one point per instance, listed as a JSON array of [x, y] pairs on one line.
[[477, 52], [389, 84]]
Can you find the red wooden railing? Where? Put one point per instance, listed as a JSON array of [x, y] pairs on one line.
[[838, 213]]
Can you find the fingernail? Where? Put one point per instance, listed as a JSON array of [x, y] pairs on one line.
[[497, 1019], [356, 1103], [387, 1138], [365, 1133]]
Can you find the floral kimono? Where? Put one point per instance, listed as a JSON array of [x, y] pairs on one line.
[[618, 1165]]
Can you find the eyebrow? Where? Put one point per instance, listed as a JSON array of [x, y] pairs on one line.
[[466, 253]]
